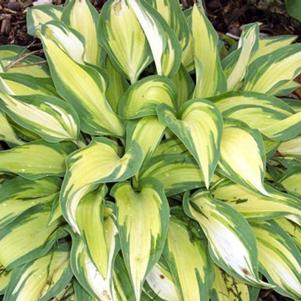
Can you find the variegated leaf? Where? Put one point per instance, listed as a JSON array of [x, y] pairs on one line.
[[210, 79], [288, 88], [255, 109], [184, 85], [67, 39], [242, 157], [28, 237], [291, 228], [279, 258], [162, 40], [80, 293], [172, 13], [28, 160], [227, 288], [172, 146], [285, 129], [161, 282], [18, 195], [47, 116], [74, 13], [270, 72], [100, 163], [24, 84], [123, 38], [199, 127], [269, 44], [188, 52], [41, 14], [290, 180], [188, 261], [122, 286], [169, 168], [148, 127], [7, 133], [96, 115], [90, 222], [83, 267], [247, 45], [271, 116], [5, 277], [30, 64], [42, 279], [142, 98], [142, 235], [24, 134], [117, 85], [253, 205], [291, 147], [232, 244]]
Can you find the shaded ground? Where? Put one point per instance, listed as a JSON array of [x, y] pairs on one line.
[[226, 15]]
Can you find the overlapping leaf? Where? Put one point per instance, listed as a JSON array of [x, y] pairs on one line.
[[28, 160], [210, 79], [40, 15], [83, 267], [200, 130], [7, 133], [91, 224], [142, 234], [188, 261], [253, 205], [279, 258], [168, 169], [123, 38], [161, 282], [165, 48], [270, 72], [243, 156], [100, 163], [152, 78], [237, 61], [96, 116], [49, 117], [74, 14], [231, 241], [19, 194], [28, 237], [142, 98], [41, 279]]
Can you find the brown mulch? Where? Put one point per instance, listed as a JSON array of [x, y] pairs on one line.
[[227, 16], [13, 23]]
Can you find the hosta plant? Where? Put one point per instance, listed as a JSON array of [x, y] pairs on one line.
[[147, 158]]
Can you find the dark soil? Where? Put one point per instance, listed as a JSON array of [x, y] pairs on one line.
[[226, 15]]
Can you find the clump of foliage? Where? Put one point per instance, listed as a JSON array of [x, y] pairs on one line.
[[146, 160]]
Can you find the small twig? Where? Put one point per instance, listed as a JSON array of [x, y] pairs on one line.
[[27, 65], [7, 10], [31, 44], [19, 22], [5, 16], [21, 58]]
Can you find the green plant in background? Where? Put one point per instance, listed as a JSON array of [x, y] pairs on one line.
[[143, 165], [294, 8]]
